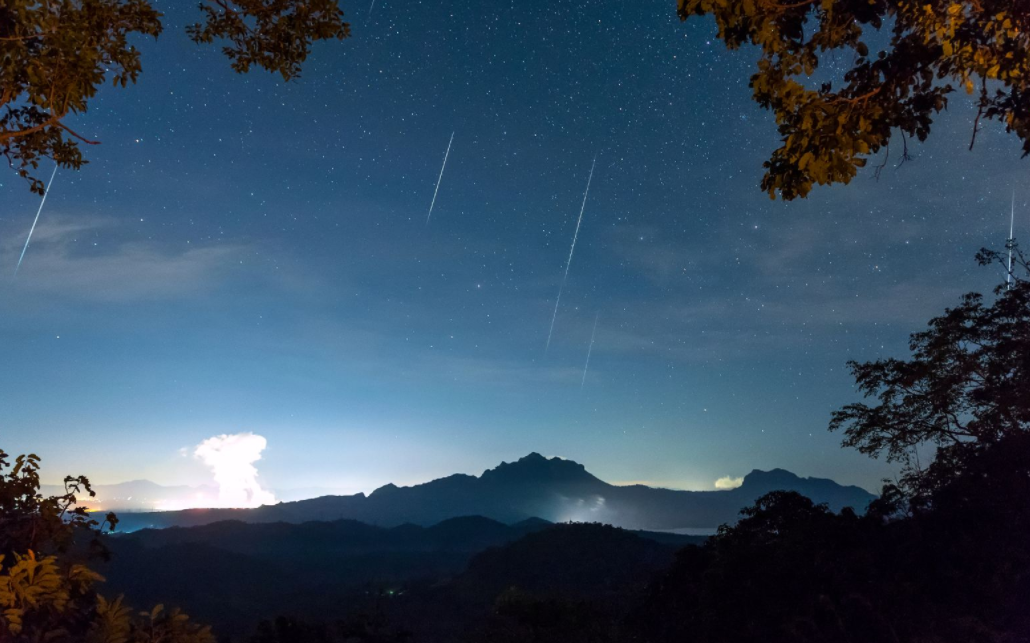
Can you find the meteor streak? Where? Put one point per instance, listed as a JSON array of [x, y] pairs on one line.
[[372, 7], [35, 221], [590, 350], [571, 251], [440, 178], [1012, 234]]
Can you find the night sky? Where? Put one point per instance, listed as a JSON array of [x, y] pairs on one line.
[[247, 255]]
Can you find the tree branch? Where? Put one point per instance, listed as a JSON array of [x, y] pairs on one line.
[[979, 111], [857, 99], [77, 135], [6, 134]]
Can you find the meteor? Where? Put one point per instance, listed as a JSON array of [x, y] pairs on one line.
[[590, 350], [440, 178], [35, 221], [1012, 234], [371, 8], [571, 251]]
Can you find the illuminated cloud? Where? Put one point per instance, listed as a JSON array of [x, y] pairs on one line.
[[232, 458], [726, 482]]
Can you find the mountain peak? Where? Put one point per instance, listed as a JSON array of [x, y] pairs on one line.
[[534, 457], [776, 476], [535, 468], [386, 489], [759, 483]]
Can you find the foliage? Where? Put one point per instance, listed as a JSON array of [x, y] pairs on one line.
[[42, 600], [936, 47], [55, 56], [941, 557], [273, 34], [46, 594], [28, 521], [793, 572], [965, 387]]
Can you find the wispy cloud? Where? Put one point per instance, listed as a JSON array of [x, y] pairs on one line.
[[92, 260]]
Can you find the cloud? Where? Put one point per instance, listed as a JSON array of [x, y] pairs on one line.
[[106, 260], [727, 482], [231, 459]]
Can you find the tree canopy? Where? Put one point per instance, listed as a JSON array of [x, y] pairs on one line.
[[941, 556], [964, 388], [47, 590], [830, 123], [55, 56]]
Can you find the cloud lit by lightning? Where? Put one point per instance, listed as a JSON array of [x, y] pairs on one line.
[[231, 459], [728, 482]]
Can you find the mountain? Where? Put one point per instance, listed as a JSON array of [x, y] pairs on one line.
[[552, 489]]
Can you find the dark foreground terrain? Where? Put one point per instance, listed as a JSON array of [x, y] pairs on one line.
[[442, 580]]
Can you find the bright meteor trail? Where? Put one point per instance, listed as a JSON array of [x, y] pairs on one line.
[[35, 221], [571, 251], [440, 178], [590, 350], [1012, 234]]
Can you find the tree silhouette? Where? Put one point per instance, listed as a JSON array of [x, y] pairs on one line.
[[54, 56], [829, 128], [964, 389], [47, 591], [940, 557]]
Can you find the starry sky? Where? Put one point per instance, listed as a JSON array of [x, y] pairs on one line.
[[247, 255]]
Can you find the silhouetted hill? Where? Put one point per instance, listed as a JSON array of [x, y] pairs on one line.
[[232, 573], [758, 483], [554, 489], [575, 561], [337, 538]]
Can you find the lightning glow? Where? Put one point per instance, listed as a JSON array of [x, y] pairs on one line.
[[35, 221], [231, 459], [572, 250], [439, 179], [728, 482], [590, 350]]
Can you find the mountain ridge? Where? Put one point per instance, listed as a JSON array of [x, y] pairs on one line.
[[553, 489]]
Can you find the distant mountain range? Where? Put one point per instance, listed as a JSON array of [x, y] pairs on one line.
[[551, 489], [144, 495], [140, 495]]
